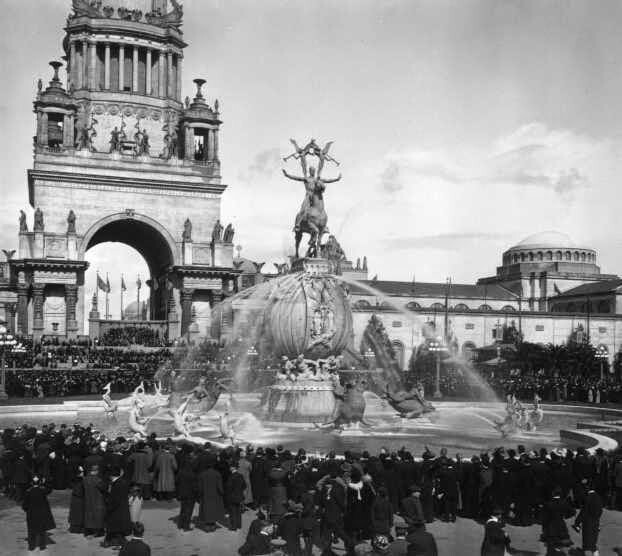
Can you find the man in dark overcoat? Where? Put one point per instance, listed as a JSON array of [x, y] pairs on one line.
[[186, 494], [211, 492], [39, 519], [94, 502], [118, 521], [234, 496], [496, 540], [589, 521]]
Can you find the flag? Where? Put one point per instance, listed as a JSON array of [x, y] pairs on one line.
[[138, 282], [103, 286], [123, 288]]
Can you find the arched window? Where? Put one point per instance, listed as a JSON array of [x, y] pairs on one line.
[[576, 256], [568, 256], [523, 257], [508, 308], [558, 255], [548, 256], [362, 304], [604, 306], [583, 257], [539, 255], [515, 257], [461, 307], [530, 257], [484, 307], [413, 306], [468, 351], [398, 348], [437, 307]]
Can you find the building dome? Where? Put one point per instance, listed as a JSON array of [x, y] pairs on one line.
[[549, 238], [550, 247]]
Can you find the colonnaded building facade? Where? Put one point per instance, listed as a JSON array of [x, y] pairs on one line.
[[120, 156]]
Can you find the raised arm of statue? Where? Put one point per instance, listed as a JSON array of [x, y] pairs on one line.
[[333, 180], [295, 178]]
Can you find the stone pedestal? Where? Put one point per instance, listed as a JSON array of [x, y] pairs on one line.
[[311, 265], [38, 247], [187, 252], [218, 253], [71, 299], [37, 303], [303, 401], [72, 246], [186, 309], [22, 309]]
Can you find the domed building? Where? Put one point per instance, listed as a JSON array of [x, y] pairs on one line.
[[545, 265]]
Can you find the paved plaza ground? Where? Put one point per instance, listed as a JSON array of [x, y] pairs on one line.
[[461, 538]]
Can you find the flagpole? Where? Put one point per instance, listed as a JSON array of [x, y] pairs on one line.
[[107, 297], [121, 290], [138, 298]]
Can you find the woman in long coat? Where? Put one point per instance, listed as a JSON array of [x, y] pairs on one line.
[[94, 502], [589, 521], [211, 492], [165, 467], [278, 491], [76, 507], [554, 531]]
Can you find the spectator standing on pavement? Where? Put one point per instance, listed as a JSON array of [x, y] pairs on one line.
[[39, 519], [136, 546]]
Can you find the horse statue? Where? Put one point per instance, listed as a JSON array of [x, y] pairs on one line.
[[311, 218]]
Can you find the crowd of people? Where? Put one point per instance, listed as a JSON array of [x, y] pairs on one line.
[[134, 335], [374, 504], [458, 383]]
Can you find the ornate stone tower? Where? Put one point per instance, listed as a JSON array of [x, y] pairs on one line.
[[119, 157]]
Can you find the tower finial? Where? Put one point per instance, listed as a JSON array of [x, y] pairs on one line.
[[199, 83]]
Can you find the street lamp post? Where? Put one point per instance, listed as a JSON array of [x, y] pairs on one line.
[[7, 343], [601, 354], [436, 346]]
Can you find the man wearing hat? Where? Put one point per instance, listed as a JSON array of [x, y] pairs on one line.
[[412, 509], [399, 546], [39, 517], [420, 542], [496, 540]]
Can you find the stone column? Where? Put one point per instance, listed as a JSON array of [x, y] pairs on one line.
[[134, 69], [73, 75], [210, 145], [161, 89], [43, 132], [11, 309], [121, 67], [37, 306], [148, 88], [189, 143], [22, 309], [83, 65], [186, 309], [92, 65], [215, 132], [178, 91], [169, 62], [107, 66], [71, 298], [67, 131]]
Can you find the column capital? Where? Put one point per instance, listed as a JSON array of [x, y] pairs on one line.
[[38, 288]]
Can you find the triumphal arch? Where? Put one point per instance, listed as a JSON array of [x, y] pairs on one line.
[[120, 156]]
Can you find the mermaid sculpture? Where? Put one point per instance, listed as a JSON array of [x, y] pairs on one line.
[[409, 404], [110, 407], [137, 422]]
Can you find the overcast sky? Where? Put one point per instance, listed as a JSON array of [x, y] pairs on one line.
[[461, 127]]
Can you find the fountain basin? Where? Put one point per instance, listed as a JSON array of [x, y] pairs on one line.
[[305, 401]]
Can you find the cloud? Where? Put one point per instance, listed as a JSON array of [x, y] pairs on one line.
[[390, 178], [449, 242], [263, 166]]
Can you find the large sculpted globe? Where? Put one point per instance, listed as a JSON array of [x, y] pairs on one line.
[[310, 315]]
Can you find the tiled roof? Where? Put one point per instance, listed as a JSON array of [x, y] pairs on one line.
[[592, 288], [431, 289]]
